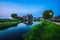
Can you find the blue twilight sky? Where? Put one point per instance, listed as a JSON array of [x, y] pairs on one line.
[[23, 7]]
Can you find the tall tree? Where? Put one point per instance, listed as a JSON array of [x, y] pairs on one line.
[[48, 14]]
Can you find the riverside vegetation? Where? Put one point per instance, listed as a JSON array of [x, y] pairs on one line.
[[44, 31], [4, 23]]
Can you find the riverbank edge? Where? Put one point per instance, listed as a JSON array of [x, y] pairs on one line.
[[6, 25], [44, 31]]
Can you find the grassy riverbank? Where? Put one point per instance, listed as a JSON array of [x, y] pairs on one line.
[[44, 31], [8, 23]]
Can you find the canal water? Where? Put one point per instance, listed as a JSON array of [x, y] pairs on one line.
[[16, 32]]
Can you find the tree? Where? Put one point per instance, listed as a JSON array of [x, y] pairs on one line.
[[48, 14], [14, 16]]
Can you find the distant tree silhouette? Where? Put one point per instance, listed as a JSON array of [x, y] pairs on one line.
[[13, 15], [57, 17]]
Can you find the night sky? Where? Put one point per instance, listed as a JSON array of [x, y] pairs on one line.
[[23, 7]]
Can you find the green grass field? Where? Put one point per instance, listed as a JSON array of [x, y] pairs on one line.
[[44, 31]]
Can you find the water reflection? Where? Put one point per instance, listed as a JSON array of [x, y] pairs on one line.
[[29, 22], [16, 32]]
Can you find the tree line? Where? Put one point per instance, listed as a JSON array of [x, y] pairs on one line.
[[47, 14]]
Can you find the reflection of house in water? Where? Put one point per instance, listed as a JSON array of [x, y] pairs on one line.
[[27, 17], [28, 22]]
